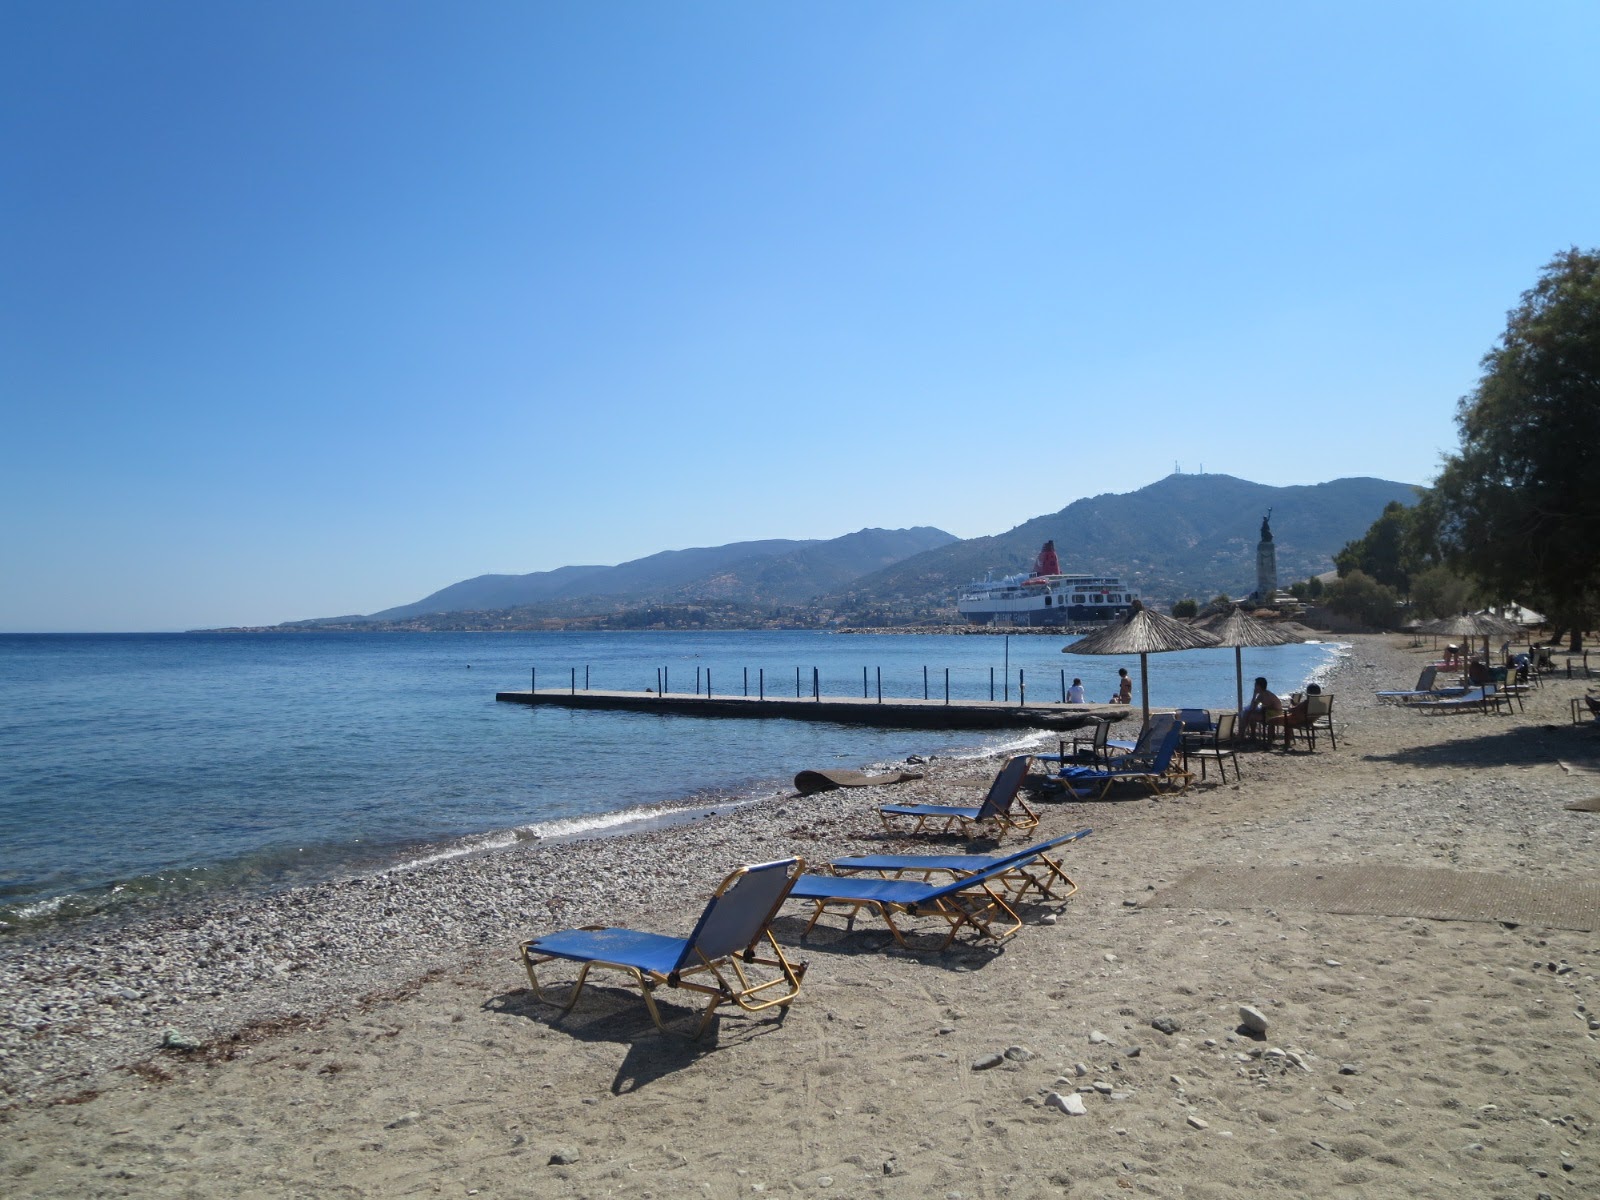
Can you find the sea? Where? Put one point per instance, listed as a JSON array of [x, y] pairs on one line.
[[150, 769]]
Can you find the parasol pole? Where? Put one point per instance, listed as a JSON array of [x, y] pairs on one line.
[[1238, 677], [1144, 684]]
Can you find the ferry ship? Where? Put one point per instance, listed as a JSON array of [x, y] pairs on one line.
[[1044, 596]]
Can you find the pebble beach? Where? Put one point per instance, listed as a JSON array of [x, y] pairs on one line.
[[374, 1036]]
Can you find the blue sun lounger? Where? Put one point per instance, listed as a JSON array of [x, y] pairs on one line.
[[1483, 699], [1031, 869], [975, 901], [713, 960], [1424, 692], [1154, 772], [1000, 806]]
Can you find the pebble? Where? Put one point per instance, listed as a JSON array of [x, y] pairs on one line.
[[1253, 1019], [1080, 1070], [1070, 1103], [1018, 1053], [1165, 1025], [1096, 1038], [1198, 1123], [987, 1062]]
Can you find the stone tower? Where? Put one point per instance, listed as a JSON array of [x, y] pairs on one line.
[[1266, 563]]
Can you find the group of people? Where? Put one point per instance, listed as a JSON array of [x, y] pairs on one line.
[[1075, 693], [1265, 709]]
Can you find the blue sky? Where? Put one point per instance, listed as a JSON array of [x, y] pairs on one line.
[[310, 308]]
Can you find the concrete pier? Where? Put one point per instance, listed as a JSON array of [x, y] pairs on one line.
[[842, 710]]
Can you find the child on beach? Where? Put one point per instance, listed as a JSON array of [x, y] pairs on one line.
[[1124, 688]]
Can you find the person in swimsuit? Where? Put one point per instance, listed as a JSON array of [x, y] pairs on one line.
[[1263, 706]]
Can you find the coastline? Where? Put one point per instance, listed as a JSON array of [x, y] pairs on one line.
[[428, 952]]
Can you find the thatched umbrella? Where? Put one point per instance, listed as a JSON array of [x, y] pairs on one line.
[[1239, 629], [1142, 632], [1474, 625]]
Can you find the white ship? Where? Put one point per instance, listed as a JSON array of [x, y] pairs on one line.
[[1044, 596]]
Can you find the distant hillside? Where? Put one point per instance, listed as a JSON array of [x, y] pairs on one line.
[[773, 572], [1185, 535]]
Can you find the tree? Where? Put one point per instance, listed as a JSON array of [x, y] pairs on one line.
[[1439, 592], [1362, 598], [1519, 512], [1186, 607], [1381, 552]]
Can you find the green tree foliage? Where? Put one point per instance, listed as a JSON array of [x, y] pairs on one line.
[[1362, 598], [1438, 591], [1518, 506], [1383, 551], [1185, 608], [1221, 600]]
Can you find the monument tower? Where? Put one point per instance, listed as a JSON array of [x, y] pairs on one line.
[[1266, 563]]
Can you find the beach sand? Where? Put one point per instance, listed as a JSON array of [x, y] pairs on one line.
[[375, 1037]]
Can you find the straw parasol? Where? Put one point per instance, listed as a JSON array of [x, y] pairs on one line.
[[1239, 629], [1474, 625], [1142, 632]]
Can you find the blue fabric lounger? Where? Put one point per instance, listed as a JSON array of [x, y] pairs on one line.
[[714, 960], [1031, 869], [1002, 806], [1480, 698], [976, 901], [1081, 782]]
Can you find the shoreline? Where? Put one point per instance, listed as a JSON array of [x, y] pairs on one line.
[[375, 1036], [210, 963]]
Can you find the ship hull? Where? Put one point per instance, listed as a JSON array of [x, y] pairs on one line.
[[1046, 600]]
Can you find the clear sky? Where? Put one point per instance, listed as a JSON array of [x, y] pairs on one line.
[[312, 308]]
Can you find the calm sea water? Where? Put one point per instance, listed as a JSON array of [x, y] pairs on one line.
[[141, 767]]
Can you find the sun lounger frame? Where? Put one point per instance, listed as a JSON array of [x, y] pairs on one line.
[[975, 901], [1003, 805], [723, 976], [1031, 869]]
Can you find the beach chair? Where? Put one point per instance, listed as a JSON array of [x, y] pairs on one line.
[[1156, 772], [1424, 685], [976, 901], [1478, 699], [1031, 869], [1142, 750], [1219, 747], [1092, 748], [1002, 806], [714, 960]]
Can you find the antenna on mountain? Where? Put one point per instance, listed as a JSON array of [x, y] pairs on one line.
[[1176, 469]]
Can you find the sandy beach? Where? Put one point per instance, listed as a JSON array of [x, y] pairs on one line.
[[1412, 914]]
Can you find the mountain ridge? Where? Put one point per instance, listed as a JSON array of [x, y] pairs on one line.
[[1184, 535]]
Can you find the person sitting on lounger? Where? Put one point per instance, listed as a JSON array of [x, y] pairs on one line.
[[1264, 705]]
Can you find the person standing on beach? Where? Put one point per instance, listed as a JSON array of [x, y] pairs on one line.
[[1075, 692], [1124, 688]]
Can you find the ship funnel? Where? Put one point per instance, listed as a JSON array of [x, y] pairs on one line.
[[1047, 563]]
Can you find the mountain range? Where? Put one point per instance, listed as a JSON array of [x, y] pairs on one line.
[[1185, 535]]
